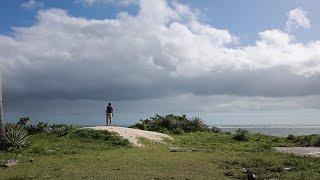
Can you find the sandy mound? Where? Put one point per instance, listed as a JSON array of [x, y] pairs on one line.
[[133, 135], [300, 151]]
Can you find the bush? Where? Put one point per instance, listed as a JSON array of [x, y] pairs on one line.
[[215, 130], [310, 140], [241, 135], [15, 137], [266, 145], [178, 131], [23, 121], [291, 137], [171, 124], [55, 129], [60, 129], [105, 136], [35, 129]]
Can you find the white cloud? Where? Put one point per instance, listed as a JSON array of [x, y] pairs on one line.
[[164, 50], [104, 2], [31, 4], [297, 18]]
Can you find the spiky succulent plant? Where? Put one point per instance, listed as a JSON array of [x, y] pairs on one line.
[[15, 137]]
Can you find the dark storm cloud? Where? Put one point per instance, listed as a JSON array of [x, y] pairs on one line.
[[277, 82]]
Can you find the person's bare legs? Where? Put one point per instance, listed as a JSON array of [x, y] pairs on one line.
[[110, 119]]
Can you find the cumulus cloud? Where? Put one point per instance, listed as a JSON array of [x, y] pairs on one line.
[[163, 51], [105, 2], [31, 4], [297, 18]]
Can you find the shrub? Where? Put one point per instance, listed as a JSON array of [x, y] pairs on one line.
[[35, 129], [23, 121], [215, 129], [31, 129], [105, 136], [303, 140], [291, 137], [265, 145], [141, 126], [178, 131], [315, 140], [15, 137], [60, 129], [171, 124], [41, 126], [306, 141], [241, 135], [55, 129]]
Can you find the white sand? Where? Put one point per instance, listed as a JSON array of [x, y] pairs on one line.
[[133, 135], [300, 151]]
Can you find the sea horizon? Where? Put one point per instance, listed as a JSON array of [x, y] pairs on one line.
[[274, 129]]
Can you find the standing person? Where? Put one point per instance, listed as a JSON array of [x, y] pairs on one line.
[[109, 114]]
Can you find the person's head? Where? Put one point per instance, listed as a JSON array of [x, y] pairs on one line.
[[109, 104]]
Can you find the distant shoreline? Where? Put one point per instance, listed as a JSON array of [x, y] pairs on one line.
[[275, 130]]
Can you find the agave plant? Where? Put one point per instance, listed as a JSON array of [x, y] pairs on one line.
[[15, 137], [60, 129]]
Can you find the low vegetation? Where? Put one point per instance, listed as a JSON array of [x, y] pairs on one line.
[[200, 153], [307, 141], [17, 136], [172, 124], [241, 135], [105, 136]]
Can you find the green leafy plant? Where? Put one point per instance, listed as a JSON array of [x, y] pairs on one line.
[[31, 129], [60, 129], [35, 129], [23, 121], [241, 135], [172, 124], [15, 137], [215, 129], [291, 137], [309, 140]]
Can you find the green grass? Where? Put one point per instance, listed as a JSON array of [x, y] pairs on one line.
[[213, 155]]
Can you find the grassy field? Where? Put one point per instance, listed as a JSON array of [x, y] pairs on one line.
[[210, 156]]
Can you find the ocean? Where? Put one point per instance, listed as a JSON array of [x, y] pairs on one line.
[[275, 130]]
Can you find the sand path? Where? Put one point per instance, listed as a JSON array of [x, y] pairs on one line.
[[300, 151], [133, 135]]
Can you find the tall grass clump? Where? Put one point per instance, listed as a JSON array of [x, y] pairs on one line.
[[173, 124]]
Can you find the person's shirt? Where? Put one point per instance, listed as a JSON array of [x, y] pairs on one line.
[[109, 110]]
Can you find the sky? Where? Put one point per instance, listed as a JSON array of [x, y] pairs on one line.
[[228, 62]]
